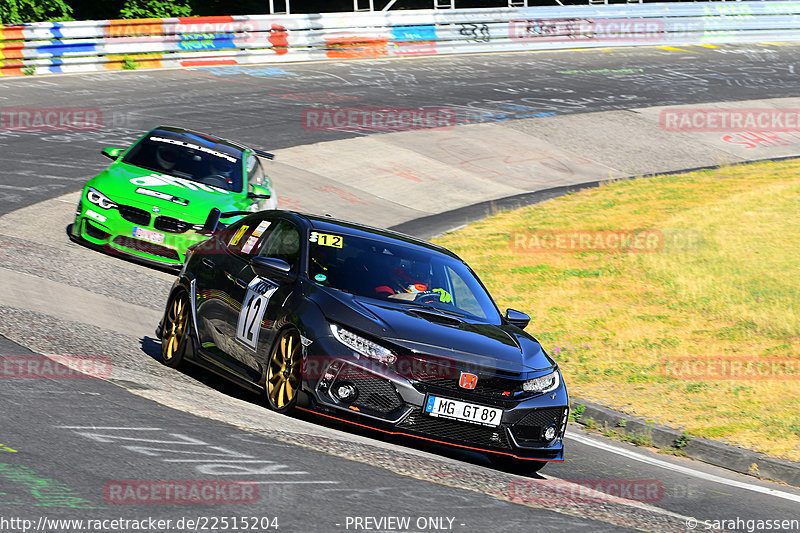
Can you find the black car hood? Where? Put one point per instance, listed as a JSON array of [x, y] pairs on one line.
[[491, 347]]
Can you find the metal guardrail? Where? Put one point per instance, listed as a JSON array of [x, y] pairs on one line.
[[84, 46]]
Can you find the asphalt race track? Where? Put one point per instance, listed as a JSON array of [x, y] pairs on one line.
[[67, 444]]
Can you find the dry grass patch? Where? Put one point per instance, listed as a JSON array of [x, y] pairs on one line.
[[724, 283]]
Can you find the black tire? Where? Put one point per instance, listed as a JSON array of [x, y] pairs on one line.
[[175, 330], [282, 382], [516, 466]]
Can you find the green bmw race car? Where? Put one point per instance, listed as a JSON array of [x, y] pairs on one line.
[[151, 203]]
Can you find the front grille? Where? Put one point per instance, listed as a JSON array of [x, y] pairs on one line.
[[134, 214], [530, 427], [95, 232], [374, 393], [443, 377], [452, 430], [171, 225], [146, 247], [487, 385]]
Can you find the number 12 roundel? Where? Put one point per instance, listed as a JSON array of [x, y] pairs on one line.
[[255, 303]]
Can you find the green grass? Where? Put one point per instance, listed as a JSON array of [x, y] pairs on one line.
[[724, 282]]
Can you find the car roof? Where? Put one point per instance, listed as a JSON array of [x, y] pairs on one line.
[[344, 227], [201, 137]]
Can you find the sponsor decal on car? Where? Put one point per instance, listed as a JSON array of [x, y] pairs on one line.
[[160, 180], [194, 147], [238, 235], [261, 228], [249, 244], [97, 216], [162, 196]]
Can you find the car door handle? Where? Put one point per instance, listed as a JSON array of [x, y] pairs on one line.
[[241, 283], [208, 262]]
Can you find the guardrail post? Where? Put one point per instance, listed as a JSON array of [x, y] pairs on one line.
[[287, 8], [356, 6]]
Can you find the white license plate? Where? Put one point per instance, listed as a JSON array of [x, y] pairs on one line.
[[148, 235], [467, 412]]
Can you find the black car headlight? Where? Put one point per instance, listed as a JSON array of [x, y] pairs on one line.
[[542, 384], [363, 346], [99, 199]]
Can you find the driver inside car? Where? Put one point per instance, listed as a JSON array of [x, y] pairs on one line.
[[412, 282], [219, 169]]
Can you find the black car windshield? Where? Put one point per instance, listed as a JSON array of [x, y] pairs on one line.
[[398, 272], [189, 156]]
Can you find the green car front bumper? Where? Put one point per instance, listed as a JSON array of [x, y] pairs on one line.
[[152, 238]]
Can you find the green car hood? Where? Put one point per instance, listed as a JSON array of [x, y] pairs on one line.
[[175, 196]]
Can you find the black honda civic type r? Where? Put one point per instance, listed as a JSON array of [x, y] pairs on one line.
[[366, 326]]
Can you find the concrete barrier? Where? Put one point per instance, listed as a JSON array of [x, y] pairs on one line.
[[85, 46]]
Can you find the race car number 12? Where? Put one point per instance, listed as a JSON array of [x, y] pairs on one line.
[[326, 239], [255, 303]]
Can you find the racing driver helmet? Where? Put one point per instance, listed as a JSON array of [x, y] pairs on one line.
[[408, 277], [167, 157]]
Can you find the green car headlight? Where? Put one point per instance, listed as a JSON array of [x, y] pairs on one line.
[[99, 199], [543, 384]]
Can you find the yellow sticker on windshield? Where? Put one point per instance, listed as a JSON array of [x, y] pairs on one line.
[[326, 239], [238, 236]]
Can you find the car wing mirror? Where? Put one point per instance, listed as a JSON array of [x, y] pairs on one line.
[[517, 318], [259, 193], [111, 152], [211, 224], [272, 267]]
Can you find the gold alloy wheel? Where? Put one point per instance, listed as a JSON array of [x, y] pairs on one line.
[[174, 334], [283, 372]]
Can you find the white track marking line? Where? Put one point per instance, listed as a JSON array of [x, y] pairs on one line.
[[109, 427], [290, 482], [682, 469]]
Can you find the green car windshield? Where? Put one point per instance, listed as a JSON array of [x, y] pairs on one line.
[[193, 158], [400, 273]]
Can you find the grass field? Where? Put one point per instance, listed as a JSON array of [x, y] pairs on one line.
[[666, 330]]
